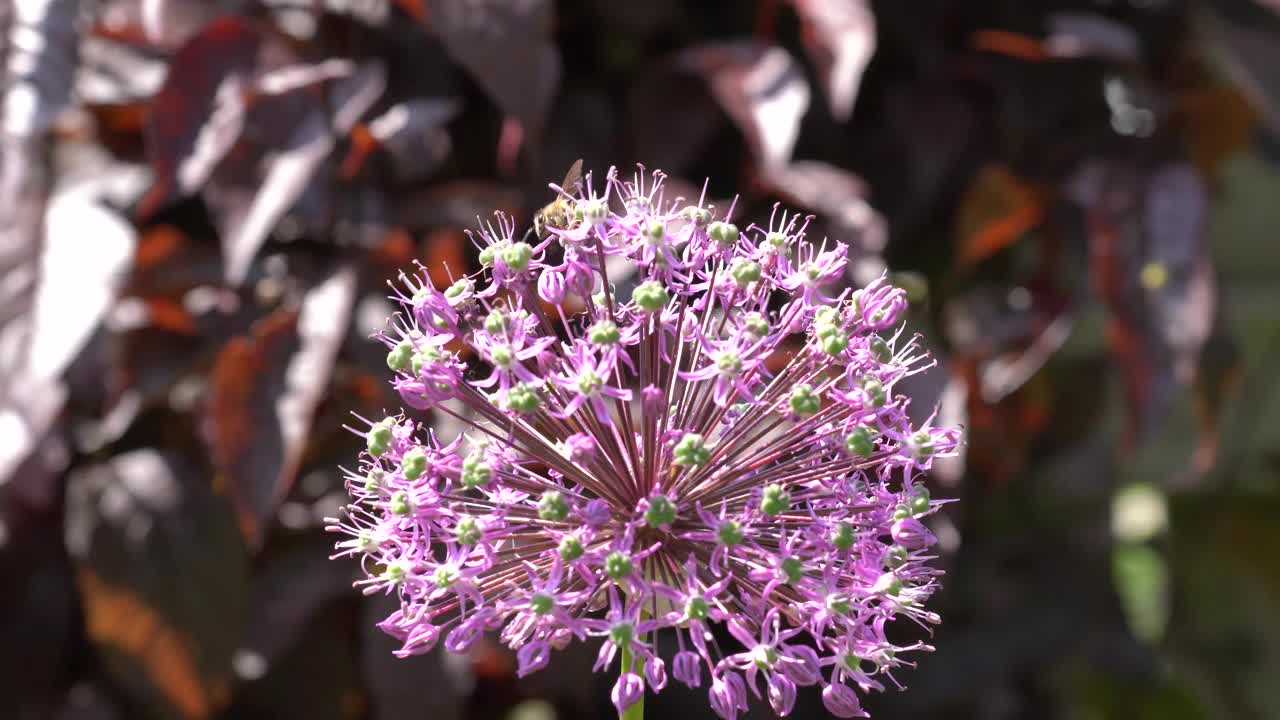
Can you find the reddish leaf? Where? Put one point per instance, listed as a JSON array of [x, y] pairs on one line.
[[263, 392], [762, 89], [409, 132], [840, 37], [1219, 122], [198, 113], [506, 45], [996, 211], [1015, 45], [162, 578]]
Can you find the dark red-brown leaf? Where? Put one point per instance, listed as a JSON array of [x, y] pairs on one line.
[[263, 392], [197, 115]]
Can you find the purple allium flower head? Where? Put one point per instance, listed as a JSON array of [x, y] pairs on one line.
[[716, 443]]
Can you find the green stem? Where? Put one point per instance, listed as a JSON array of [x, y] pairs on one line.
[[635, 665]]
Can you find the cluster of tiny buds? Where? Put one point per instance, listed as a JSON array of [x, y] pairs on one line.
[[710, 439]]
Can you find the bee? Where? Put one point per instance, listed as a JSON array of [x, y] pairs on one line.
[[559, 213]]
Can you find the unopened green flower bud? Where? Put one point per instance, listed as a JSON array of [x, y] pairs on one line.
[[517, 255], [839, 603], [843, 536], [459, 288], [919, 501], [594, 211], [774, 500], [604, 332], [698, 216], [445, 577], [755, 324], [696, 607], [888, 584], [661, 511], [803, 400], [650, 295], [617, 565], [920, 444], [896, 556], [570, 548], [541, 603], [880, 349], [395, 572], [523, 398], [728, 362], [413, 463], [729, 533], [834, 342], [777, 242], [467, 530], [723, 233], [744, 271], [861, 441], [793, 570], [400, 356], [875, 392], [400, 504], [690, 450], [621, 634], [378, 439], [552, 506], [475, 471]]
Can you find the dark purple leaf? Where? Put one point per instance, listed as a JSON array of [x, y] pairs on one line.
[[263, 393], [288, 173], [840, 37], [162, 576], [1091, 35], [671, 116], [506, 46], [762, 89], [290, 587], [396, 684], [412, 135], [1252, 52]]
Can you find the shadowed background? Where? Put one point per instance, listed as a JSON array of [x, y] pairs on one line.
[[200, 203]]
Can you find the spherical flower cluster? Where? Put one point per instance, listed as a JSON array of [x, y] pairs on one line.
[[718, 442]]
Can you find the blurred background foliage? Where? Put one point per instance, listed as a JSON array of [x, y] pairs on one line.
[[200, 203]]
